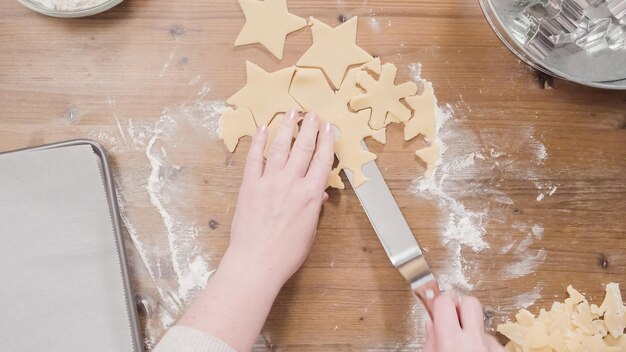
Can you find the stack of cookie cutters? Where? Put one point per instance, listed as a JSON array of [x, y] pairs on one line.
[[596, 26]]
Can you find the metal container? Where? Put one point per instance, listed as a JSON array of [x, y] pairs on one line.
[[578, 40], [83, 11], [116, 224]]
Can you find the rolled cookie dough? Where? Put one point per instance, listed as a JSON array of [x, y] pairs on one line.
[[268, 22]]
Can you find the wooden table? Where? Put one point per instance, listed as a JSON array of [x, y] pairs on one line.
[[112, 76]]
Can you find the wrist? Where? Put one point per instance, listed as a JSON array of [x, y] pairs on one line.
[[235, 303], [258, 272]]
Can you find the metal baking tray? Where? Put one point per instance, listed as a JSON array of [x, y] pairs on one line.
[[109, 188]]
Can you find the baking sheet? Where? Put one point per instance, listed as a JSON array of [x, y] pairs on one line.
[[63, 280]]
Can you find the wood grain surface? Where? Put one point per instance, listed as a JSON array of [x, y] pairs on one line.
[[96, 77]]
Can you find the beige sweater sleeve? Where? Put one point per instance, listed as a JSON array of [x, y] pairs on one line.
[[186, 339]]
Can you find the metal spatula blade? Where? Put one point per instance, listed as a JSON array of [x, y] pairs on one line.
[[394, 233]]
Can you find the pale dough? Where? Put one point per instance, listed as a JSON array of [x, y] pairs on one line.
[[571, 326], [310, 88], [234, 124], [423, 120], [334, 50], [383, 96], [431, 156], [369, 88], [268, 22], [265, 94]]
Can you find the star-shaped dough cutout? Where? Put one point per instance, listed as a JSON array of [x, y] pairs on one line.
[[268, 22], [334, 49], [310, 88], [383, 96], [424, 115], [265, 94], [234, 124]]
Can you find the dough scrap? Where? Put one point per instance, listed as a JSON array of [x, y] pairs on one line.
[[234, 124], [571, 326], [268, 22], [310, 88], [383, 96], [431, 155], [423, 120], [265, 94], [334, 50]]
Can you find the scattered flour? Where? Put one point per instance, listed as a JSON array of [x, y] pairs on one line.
[[462, 227], [527, 265], [464, 224], [181, 236], [527, 299], [168, 62], [539, 149], [161, 183], [374, 22], [545, 190]]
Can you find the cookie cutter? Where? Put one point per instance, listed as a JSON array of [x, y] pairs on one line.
[[571, 39], [618, 9]]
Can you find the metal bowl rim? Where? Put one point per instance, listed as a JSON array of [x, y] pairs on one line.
[[107, 5], [488, 11]]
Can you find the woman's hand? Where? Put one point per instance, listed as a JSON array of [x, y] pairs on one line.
[[458, 326], [279, 204], [273, 230]]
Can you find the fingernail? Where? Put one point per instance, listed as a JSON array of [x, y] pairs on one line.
[[263, 129], [312, 116], [292, 114], [327, 127]]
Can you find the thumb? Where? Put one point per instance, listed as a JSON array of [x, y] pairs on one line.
[[431, 341]]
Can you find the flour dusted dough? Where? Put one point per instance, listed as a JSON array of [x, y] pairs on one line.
[[265, 94], [571, 326], [268, 22], [383, 96], [334, 49]]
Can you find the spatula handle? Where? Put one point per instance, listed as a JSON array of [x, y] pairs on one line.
[[422, 280], [427, 292]]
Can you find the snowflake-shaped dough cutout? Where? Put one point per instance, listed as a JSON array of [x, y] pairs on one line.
[[383, 96]]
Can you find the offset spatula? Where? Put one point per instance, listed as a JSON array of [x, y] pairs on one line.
[[394, 233]]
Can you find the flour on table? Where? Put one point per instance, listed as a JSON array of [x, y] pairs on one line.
[[166, 242], [527, 299], [464, 222]]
